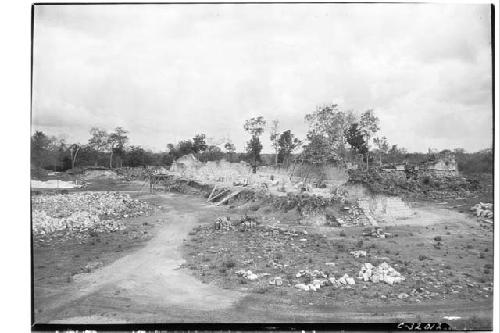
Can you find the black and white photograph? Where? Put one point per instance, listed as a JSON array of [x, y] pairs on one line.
[[259, 163]]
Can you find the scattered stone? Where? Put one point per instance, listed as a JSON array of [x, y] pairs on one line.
[[276, 281], [358, 254], [302, 286], [82, 213], [249, 275], [384, 272], [403, 295], [483, 211]]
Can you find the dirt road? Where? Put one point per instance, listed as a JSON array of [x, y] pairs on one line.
[[148, 280], [148, 286]]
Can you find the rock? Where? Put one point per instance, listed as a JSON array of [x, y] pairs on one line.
[[403, 295], [276, 281], [358, 254], [252, 277], [350, 280], [302, 286], [330, 264]]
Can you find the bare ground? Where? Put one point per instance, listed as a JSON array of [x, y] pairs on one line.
[[141, 280]]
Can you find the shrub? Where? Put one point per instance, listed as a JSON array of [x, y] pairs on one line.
[[229, 263]]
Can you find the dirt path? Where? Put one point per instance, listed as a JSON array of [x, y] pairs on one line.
[[148, 279]]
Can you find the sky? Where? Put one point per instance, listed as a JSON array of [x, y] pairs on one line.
[[168, 72]]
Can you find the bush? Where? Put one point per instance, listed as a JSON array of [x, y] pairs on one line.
[[229, 263]]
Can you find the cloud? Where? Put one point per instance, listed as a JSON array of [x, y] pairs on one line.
[[167, 72]]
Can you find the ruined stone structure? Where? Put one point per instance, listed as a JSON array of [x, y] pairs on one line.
[[185, 162], [444, 165]]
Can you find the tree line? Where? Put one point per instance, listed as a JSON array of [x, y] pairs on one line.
[[334, 136]]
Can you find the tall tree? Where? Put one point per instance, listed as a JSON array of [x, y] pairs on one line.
[[255, 126], [369, 125], [199, 143], [40, 143], [116, 143], [74, 149], [254, 147], [331, 122], [99, 141], [287, 143], [230, 149], [356, 139], [318, 149], [184, 148], [274, 137]]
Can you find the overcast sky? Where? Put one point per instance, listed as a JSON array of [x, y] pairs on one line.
[[167, 72]]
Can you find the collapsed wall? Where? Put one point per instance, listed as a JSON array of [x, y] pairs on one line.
[[338, 210], [422, 184]]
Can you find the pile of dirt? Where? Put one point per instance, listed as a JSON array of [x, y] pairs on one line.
[[82, 214], [129, 173], [415, 186], [186, 186]]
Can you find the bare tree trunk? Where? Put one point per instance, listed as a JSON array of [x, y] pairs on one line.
[[111, 160], [73, 158]]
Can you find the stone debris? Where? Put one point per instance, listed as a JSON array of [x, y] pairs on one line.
[[358, 254], [81, 213], [249, 275], [382, 273], [225, 223], [276, 281], [403, 296], [310, 274], [483, 211], [318, 279], [376, 232]]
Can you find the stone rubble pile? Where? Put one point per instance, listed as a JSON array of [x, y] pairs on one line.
[[249, 275], [376, 232], [83, 212], [358, 254], [224, 223], [331, 281], [382, 273], [277, 281], [484, 211]]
